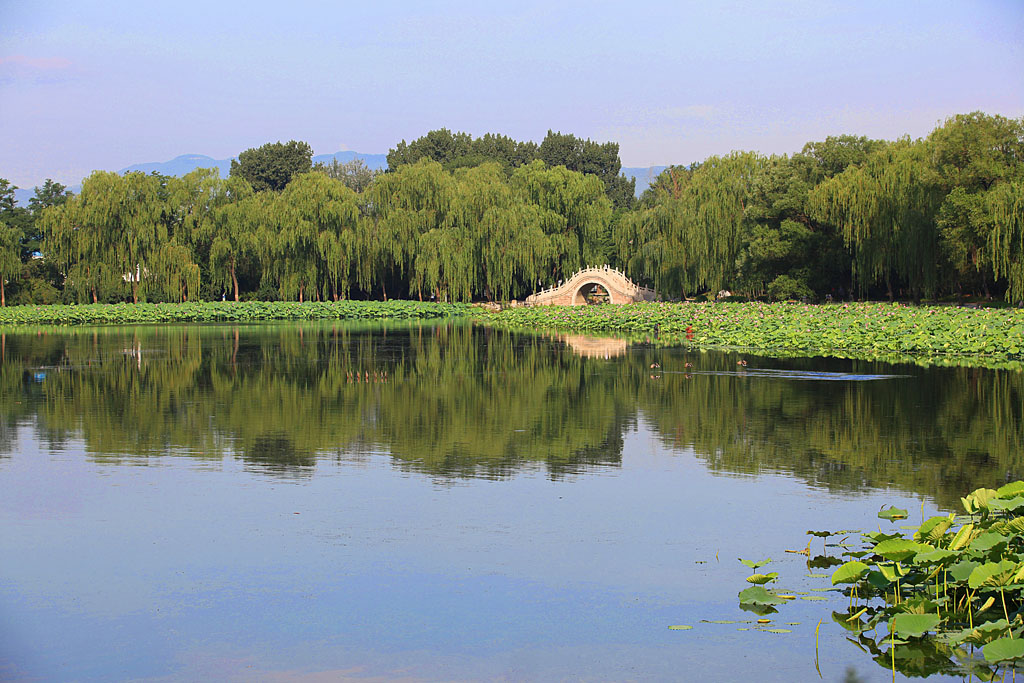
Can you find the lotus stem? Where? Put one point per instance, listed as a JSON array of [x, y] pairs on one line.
[[1005, 613]]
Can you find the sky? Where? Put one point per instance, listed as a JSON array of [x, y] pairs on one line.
[[90, 85]]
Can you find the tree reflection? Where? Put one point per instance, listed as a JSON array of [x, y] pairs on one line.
[[455, 401]]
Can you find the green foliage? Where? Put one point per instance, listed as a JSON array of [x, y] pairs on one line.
[[828, 329], [935, 598], [272, 166], [355, 174], [217, 311]]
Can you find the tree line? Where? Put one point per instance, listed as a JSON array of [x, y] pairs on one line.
[[461, 218]]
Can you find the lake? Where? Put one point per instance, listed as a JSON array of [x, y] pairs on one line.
[[327, 501]]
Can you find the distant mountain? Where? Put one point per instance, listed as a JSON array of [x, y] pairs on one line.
[[644, 176], [21, 196], [179, 166]]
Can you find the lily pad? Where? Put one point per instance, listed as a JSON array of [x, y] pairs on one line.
[[1004, 650], [914, 625], [1010, 490], [757, 595], [851, 572], [900, 549], [892, 513], [680, 627]]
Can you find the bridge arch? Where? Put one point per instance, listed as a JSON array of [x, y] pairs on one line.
[[573, 292], [586, 289]]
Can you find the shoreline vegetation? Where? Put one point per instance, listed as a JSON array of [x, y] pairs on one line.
[[463, 219], [875, 331]]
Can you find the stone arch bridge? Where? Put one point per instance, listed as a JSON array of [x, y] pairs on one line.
[[576, 290]]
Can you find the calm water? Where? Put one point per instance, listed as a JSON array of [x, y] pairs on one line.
[[325, 502]]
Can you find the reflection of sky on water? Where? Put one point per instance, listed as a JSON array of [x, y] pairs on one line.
[[271, 557], [188, 572]]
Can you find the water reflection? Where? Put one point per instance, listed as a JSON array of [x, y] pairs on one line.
[[456, 401]]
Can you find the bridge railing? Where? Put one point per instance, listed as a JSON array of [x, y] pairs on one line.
[[594, 270]]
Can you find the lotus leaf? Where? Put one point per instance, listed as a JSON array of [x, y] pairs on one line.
[[937, 556], [933, 529], [978, 500], [892, 571], [892, 513], [914, 625], [962, 569], [680, 627], [1012, 526], [1010, 490], [1004, 650], [1008, 504], [879, 580], [899, 549], [761, 579], [851, 572], [987, 541], [757, 595], [993, 574], [754, 565], [963, 537]]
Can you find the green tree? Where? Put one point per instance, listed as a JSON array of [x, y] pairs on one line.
[[972, 156], [10, 258], [402, 206], [328, 212], [592, 158], [885, 209], [571, 210], [355, 174], [272, 166], [689, 237]]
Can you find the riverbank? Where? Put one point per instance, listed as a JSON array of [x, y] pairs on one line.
[[226, 311], [983, 337], [823, 329]]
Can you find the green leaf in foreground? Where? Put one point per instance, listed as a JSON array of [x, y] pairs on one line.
[[849, 572], [1004, 649], [993, 574], [899, 549], [757, 595], [1010, 490], [914, 625]]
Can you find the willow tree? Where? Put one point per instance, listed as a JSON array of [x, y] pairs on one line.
[[571, 210], [10, 257], [1005, 203], [513, 253], [327, 212], [692, 231], [287, 248], [885, 209], [401, 206], [972, 156], [109, 233], [233, 245]]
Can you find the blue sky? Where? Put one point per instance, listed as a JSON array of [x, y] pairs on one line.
[[101, 85]]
